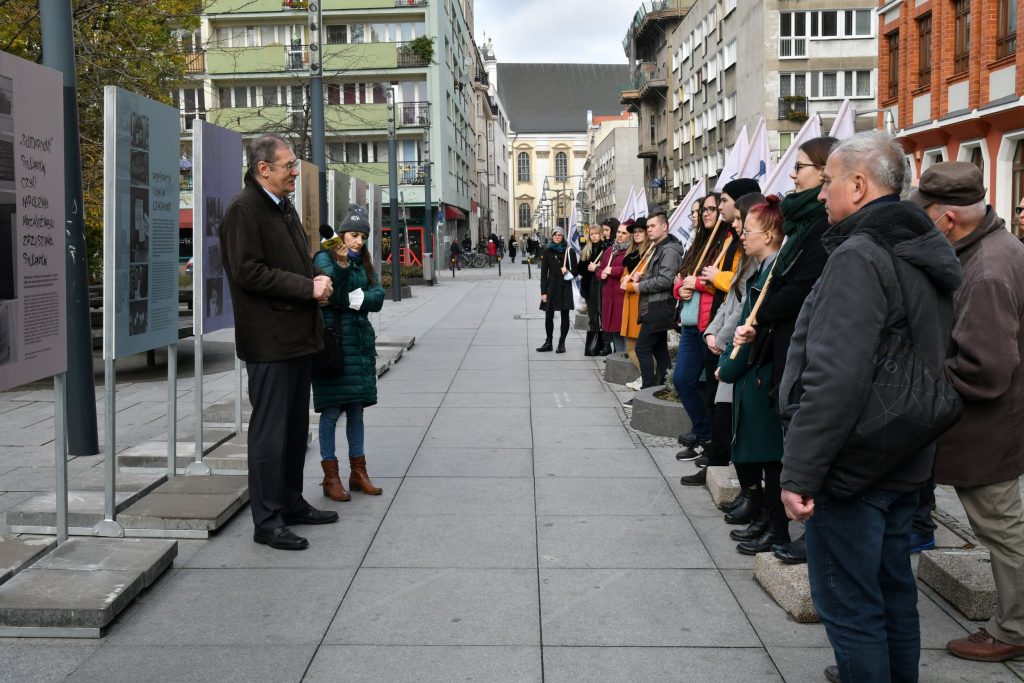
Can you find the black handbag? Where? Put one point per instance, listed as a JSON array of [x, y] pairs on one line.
[[330, 362], [909, 406]]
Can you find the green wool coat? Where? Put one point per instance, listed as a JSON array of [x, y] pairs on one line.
[[358, 382], [756, 428]]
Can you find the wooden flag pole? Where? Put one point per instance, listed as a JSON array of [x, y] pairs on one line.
[[707, 247], [752, 318]]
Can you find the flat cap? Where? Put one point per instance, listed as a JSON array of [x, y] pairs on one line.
[[956, 183]]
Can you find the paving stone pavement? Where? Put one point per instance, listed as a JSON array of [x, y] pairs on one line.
[[525, 533]]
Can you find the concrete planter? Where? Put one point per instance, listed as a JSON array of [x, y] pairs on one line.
[[655, 416], [964, 577], [619, 369]]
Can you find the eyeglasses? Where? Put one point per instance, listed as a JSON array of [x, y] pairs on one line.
[[746, 232], [709, 209], [797, 166], [291, 165], [1019, 210]]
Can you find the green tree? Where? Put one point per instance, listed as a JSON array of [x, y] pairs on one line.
[[126, 43]]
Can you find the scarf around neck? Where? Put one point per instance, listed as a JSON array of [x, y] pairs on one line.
[[558, 247], [800, 212]]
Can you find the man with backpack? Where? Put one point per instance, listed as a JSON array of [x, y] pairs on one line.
[[888, 270]]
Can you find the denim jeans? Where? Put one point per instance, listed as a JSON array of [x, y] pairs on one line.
[[862, 585], [354, 431], [686, 375]]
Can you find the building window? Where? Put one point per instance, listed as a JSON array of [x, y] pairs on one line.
[[523, 167], [924, 59], [978, 159], [1006, 36], [894, 63], [524, 215], [562, 166], [1018, 187], [961, 36], [792, 34]]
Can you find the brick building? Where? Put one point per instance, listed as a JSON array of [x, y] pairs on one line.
[[951, 74]]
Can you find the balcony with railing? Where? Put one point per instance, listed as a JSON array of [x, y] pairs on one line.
[[298, 8], [793, 108], [228, 61], [195, 62], [412, 114], [410, 57]]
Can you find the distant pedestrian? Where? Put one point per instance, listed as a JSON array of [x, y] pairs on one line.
[[982, 456], [557, 269], [357, 292], [512, 250], [858, 506], [275, 294], [492, 252], [454, 256]]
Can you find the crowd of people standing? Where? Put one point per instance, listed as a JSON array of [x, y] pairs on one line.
[[792, 313]]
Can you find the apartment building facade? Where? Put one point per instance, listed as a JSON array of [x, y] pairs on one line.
[[952, 81], [613, 167], [812, 56], [491, 195], [249, 68]]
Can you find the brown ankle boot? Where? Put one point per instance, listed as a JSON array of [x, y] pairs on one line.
[[333, 488], [359, 479]]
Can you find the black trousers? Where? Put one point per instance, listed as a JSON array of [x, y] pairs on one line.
[[652, 355], [549, 324], [278, 431], [721, 435]]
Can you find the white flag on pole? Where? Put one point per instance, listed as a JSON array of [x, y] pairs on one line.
[[640, 203], [779, 181], [843, 127], [732, 163], [679, 225], [628, 209], [758, 162], [573, 235]]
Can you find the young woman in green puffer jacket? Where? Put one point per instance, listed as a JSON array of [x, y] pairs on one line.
[[357, 292]]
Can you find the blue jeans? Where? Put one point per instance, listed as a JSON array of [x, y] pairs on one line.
[[862, 585], [686, 375], [354, 431]]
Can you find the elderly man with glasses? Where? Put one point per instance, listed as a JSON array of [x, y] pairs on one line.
[[278, 327]]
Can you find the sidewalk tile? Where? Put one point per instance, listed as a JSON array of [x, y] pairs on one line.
[[658, 664], [472, 462], [224, 664], [620, 542], [464, 496], [486, 428], [565, 496], [398, 664], [594, 462], [499, 542]]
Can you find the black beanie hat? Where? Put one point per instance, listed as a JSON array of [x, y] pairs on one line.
[[739, 187]]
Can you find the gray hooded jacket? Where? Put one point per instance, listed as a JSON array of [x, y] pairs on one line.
[[832, 355]]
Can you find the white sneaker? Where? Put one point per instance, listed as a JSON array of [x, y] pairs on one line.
[[635, 385]]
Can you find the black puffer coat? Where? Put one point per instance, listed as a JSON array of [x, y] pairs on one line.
[[558, 289], [834, 347]]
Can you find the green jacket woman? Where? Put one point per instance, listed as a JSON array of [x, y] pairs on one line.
[[357, 292]]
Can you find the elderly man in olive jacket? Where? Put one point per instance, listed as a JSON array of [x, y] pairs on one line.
[[278, 326], [982, 456]]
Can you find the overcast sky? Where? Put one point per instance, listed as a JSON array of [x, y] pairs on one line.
[[566, 31]]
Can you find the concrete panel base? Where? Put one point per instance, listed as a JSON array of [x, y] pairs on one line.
[[153, 454], [383, 365], [788, 585], [186, 507], [722, 484], [79, 588], [85, 509], [655, 416], [392, 354], [224, 413], [963, 577], [18, 552], [619, 369], [401, 341]]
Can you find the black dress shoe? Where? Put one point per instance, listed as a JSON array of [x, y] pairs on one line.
[[280, 538], [687, 439], [698, 478], [731, 505], [752, 530], [832, 673], [745, 512], [772, 534], [560, 348], [791, 553], [311, 516], [546, 346]]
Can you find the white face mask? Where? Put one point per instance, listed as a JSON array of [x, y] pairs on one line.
[[945, 233]]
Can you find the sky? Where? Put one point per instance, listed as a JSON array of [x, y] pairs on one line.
[[562, 31]]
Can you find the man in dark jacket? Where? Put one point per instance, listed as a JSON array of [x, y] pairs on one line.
[[982, 456], [278, 327], [657, 305], [859, 514]]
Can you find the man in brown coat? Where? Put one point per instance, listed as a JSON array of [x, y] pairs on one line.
[[278, 326], [983, 455]]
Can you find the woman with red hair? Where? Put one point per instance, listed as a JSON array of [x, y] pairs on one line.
[[757, 431]]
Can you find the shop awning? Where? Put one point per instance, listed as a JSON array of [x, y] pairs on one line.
[[453, 213], [185, 218]]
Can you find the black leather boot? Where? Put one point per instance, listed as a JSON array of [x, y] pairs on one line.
[[561, 346], [774, 532], [752, 530], [794, 552], [735, 502], [546, 346], [588, 347], [745, 512]]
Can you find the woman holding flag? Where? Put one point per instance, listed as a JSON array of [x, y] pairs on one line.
[[633, 262]]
